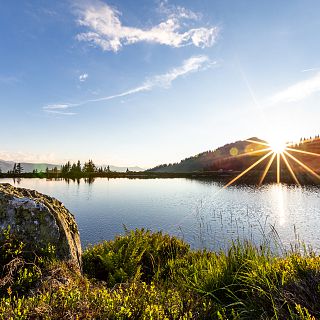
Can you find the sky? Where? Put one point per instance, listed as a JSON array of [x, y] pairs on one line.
[[147, 82]]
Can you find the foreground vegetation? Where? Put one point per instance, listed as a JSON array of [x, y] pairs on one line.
[[144, 275]]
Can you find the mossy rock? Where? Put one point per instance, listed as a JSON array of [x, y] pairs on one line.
[[38, 221]]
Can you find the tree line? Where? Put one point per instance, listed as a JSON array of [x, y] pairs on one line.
[[68, 170], [77, 170]]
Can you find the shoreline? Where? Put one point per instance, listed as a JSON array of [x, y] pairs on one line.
[[214, 176]]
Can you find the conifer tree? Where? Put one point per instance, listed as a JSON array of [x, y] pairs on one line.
[[89, 167]]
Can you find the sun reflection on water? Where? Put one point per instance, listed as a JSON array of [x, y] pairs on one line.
[[278, 192]]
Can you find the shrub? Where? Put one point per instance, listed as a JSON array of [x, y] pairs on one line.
[[137, 255], [20, 269], [154, 276]]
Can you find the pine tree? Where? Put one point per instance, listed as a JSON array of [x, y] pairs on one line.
[[89, 167], [73, 169], [66, 168], [19, 168], [78, 167]]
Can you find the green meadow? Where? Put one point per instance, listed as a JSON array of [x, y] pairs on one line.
[[145, 275]]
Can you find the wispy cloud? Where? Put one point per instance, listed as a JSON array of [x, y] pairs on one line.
[[105, 30], [64, 113], [176, 12], [298, 91], [193, 64], [58, 106], [310, 69], [83, 77]]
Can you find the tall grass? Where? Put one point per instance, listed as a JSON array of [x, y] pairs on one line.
[[145, 275]]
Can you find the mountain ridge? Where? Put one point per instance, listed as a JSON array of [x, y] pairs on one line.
[[237, 156]]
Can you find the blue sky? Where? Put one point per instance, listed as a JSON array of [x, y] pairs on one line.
[[150, 82]]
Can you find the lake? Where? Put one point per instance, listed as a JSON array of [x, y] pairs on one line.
[[200, 212]]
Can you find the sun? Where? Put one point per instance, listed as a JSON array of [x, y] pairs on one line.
[[276, 151], [277, 146]]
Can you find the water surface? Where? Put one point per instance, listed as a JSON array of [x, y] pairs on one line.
[[199, 211]]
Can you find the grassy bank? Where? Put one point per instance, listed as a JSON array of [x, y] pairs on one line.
[[144, 275], [218, 176]]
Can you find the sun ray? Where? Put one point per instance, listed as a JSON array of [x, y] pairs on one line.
[[290, 169], [279, 151], [258, 142], [248, 169], [267, 169], [302, 164], [247, 153], [304, 152], [253, 152]]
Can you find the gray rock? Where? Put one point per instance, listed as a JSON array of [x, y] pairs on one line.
[[39, 220]]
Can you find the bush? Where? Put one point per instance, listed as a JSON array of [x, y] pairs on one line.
[[20, 269], [144, 275], [139, 255]]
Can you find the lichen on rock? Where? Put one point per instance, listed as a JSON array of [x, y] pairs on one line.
[[39, 220]]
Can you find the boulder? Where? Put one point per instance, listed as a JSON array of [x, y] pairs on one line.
[[38, 220]]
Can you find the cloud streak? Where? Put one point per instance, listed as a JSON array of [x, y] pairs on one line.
[[105, 30], [64, 113], [191, 65], [299, 91], [310, 69], [58, 106]]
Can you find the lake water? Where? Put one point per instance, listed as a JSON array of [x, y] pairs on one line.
[[201, 212]]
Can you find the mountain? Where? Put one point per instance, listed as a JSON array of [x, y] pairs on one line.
[[221, 158], [5, 166], [239, 155]]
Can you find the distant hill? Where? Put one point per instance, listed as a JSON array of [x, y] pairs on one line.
[[238, 156], [5, 166], [222, 158], [308, 145], [123, 169]]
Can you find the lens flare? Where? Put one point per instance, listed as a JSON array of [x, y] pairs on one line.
[[276, 150]]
